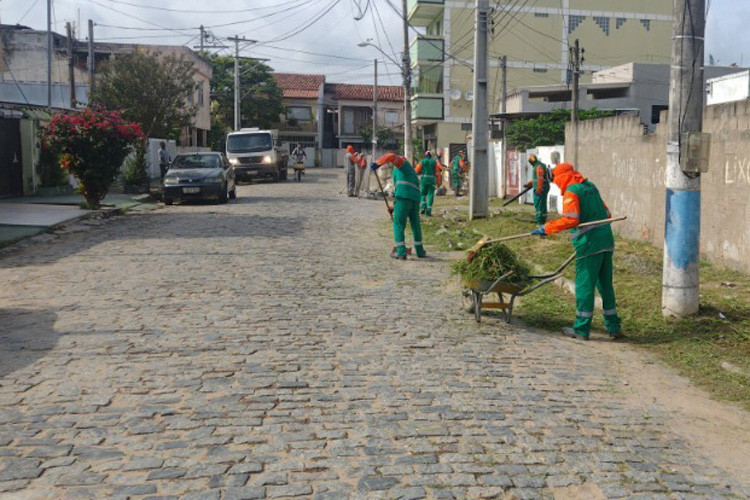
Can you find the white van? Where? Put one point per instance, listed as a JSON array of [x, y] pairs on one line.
[[255, 154]]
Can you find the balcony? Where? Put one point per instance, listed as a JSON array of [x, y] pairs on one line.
[[426, 108], [424, 48], [423, 12]]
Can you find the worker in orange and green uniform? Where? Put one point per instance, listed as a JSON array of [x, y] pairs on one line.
[[406, 204], [457, 168], [594, 246], [428, 169], [540, 182]]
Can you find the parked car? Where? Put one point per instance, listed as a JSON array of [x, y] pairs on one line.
[[199, 176]]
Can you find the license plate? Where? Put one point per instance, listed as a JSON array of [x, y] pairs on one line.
[[191, 190]]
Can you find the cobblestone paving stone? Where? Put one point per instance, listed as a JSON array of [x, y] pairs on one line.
[[269, 348]]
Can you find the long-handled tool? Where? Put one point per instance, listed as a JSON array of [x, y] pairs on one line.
[[484, 242], [525, 190], [385, 198]]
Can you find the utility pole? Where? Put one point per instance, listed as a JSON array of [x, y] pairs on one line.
[[92, 57], [504, 109], [479, 182], [49, 53], [575, 53], [375, 112], [236, 40], [71, 66], [406, 69], [203, 37], [680, 280]]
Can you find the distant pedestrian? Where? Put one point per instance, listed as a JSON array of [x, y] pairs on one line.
[[164, 159], [351, 172]]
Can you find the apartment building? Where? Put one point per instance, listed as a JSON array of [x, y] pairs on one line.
[[535, 36]]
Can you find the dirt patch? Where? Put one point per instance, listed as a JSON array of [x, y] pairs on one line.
[[718, 430]]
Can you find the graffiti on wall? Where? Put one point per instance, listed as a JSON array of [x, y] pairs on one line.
[[634, 170], [737, 170]]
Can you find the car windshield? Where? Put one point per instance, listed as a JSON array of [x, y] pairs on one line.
[[249, 143], [197, 161]]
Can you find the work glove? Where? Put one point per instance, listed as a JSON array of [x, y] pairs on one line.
[[528, 184], [374, 166], [390, 210], [539, 231]]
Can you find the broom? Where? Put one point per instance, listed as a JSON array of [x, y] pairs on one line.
[[484, 241]]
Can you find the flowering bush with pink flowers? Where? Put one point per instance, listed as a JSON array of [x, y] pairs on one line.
[[92, 145]]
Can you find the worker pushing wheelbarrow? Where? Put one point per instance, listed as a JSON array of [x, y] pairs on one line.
[[509, 286], [587, 217]]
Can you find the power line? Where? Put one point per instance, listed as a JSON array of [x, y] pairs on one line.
[[27, 12], [193, 11]]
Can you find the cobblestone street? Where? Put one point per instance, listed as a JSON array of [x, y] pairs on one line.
[[269, 348]]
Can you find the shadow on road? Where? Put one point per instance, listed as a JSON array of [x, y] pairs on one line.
[[26, 336], [166, 226]]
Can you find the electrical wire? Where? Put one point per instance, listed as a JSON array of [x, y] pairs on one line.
[[194, 11], [27, 13]]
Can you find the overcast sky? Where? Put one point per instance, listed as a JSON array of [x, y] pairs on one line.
[[274, 24]]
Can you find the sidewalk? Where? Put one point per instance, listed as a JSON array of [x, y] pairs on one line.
[[27, 216]]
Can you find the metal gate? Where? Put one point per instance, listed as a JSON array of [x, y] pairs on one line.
[[11, 164]]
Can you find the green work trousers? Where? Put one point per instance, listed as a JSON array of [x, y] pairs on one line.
[[540, 205], [427, 192], [403, 210], [456, 180], [595, 272]]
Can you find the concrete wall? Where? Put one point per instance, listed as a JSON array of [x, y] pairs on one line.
[[629, 169]]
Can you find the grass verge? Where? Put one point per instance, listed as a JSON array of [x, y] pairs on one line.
[[712, 348]]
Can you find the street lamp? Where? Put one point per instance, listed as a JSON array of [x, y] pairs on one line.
[[405, 72]]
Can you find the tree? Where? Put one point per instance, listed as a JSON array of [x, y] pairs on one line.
[[153, 91], [260, 97], [91, 145], [387, 138], [547, 129]]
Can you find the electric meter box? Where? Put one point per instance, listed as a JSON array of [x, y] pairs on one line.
[[694, 152]]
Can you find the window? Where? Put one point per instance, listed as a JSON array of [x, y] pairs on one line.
[[620, 21], [541, 14], [603, 23], [574, 22], [646, 24], [354, 119], [540, 70], [201, 100], [302, 113], [391, 118]]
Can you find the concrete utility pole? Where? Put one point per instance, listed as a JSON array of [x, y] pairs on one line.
[[236, 40], [92, 57], [479, 182], [203, 37], [575, 55], [49, 53], [406, 69], [375, 112], [680, 281], [504, 109], [71, 66]]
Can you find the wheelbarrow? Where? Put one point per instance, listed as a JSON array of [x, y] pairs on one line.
[[474, 291]]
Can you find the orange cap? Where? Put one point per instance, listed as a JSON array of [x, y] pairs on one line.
[[350, 148]]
